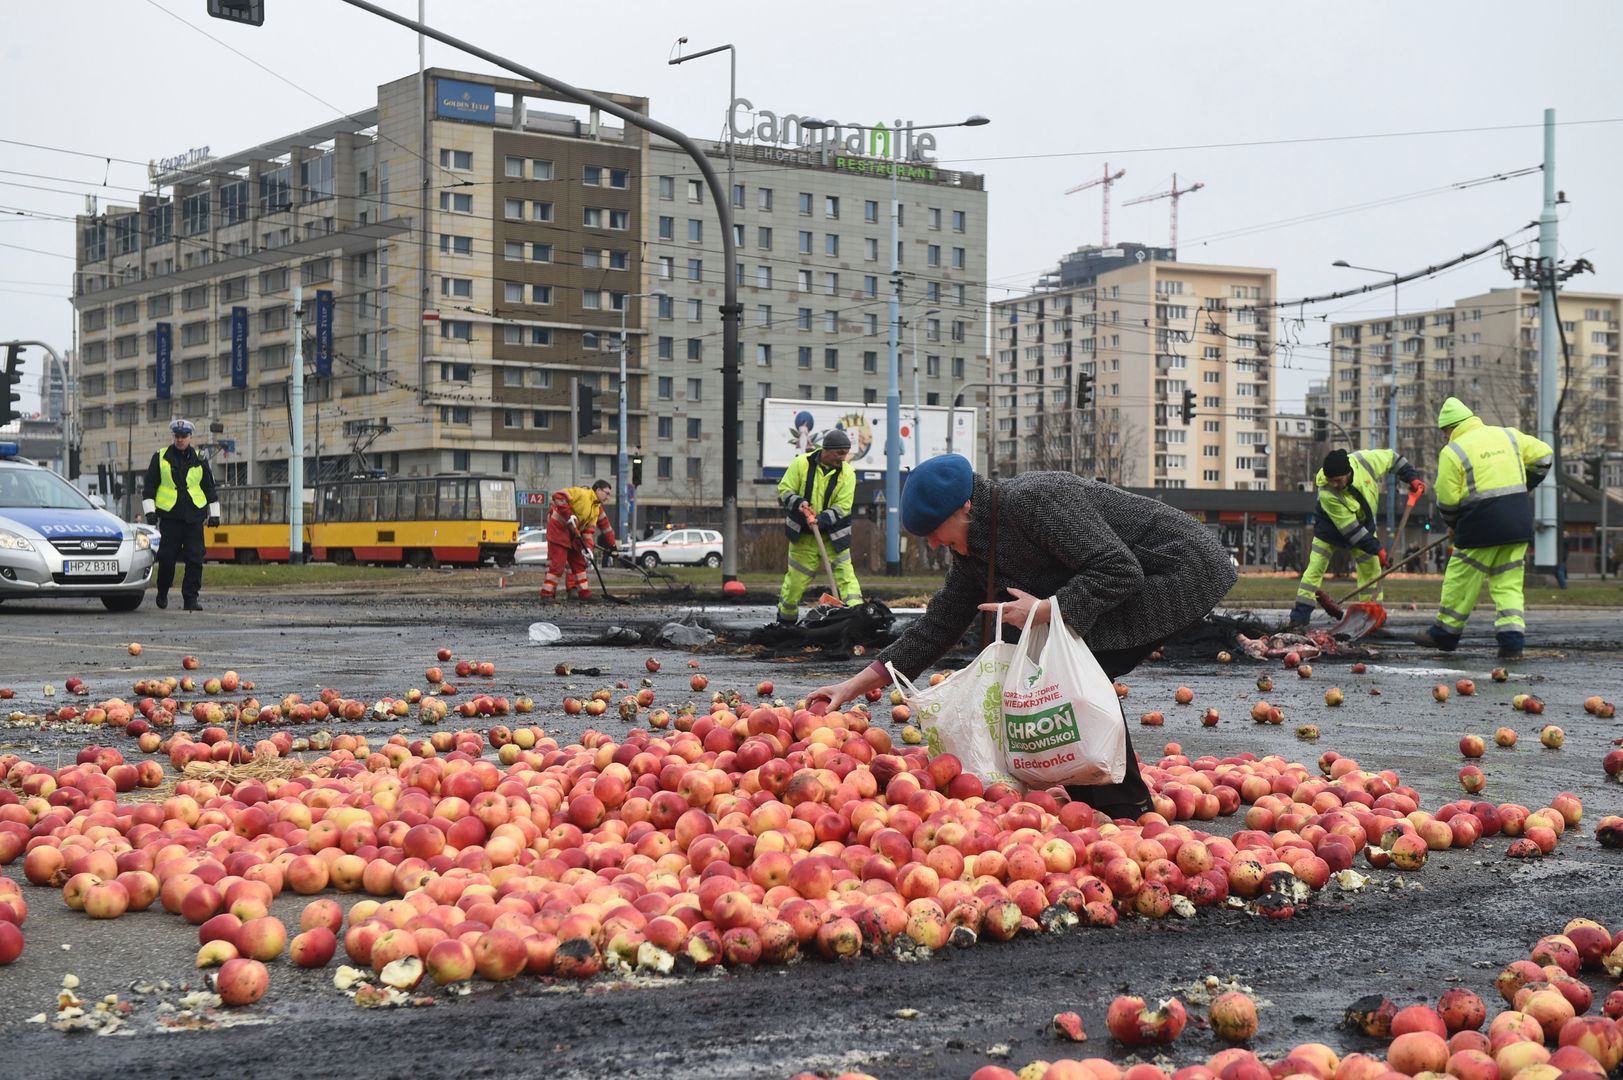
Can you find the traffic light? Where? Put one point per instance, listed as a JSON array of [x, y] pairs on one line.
[[1084, 390], [1592, 467], [12, 385], [636, 470], [1321, 425], [1188, 410], [251, 12], [586, 411]]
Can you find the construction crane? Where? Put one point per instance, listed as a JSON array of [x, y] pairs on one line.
[[1104, 181], [1175, 194]]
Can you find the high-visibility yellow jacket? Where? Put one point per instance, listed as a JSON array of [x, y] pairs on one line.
[[1346, 518], [1483, 477], [581, 504], [829, 490]]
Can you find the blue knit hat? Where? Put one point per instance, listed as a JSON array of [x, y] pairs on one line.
[[935, 491]]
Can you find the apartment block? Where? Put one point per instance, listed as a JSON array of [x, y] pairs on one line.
[[1482, 349], [1146, 329]]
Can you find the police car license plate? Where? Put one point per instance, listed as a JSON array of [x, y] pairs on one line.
[[77, 567]]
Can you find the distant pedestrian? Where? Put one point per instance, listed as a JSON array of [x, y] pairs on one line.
[[178, 497], [1482, 495]]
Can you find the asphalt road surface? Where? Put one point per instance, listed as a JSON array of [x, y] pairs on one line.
[[1456, 923]]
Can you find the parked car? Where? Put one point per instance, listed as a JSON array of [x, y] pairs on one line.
[[56, 542], [532, 548], [681, 547]]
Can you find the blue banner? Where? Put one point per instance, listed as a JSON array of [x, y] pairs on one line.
[[456, 100], [323, 333], [239, 348], [165, 372]]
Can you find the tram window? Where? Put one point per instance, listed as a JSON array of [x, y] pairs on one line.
[[496, 500], [425, 500], [453, 500]]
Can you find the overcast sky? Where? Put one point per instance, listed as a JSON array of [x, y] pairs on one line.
[[1155, 88]]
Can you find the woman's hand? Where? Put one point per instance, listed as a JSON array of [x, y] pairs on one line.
[[1024, 607], [863, 681]]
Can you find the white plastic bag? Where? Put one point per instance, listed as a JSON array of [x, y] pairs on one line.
[[963, 714], [1061, 719]]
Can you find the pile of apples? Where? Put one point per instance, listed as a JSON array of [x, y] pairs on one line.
[[753, 834], [1544, 1032]]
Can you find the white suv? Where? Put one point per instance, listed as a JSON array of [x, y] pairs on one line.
[[690, 547]]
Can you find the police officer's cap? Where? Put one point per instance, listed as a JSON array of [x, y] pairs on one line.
[[180, 427]]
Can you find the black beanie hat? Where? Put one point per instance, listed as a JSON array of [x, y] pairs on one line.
[[1336, 463]]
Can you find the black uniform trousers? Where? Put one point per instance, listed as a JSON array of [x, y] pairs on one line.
[[180, 538]]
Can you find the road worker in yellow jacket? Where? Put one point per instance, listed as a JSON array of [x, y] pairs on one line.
[[818, 486], [1483, 476], [1350, 484]]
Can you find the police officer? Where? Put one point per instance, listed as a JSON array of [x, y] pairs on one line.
[[177, 497], [1483, 477], [818, 486]]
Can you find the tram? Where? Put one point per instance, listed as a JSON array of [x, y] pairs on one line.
[[460, 520]]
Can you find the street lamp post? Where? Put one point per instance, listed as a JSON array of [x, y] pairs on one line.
[[893, 393], [1391, 394], [732, 91], [917, 452], [622, 504]]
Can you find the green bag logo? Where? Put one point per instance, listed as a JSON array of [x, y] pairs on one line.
[[992, 712], [1036, 673], [1043, 731]]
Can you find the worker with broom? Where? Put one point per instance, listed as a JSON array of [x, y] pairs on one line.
[[575, 515], [816, 493], [1483, 477], [1349, 496]]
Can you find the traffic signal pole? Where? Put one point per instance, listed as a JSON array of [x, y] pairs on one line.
[[574, 431]]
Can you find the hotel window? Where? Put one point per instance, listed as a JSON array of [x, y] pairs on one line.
[[456, 159]]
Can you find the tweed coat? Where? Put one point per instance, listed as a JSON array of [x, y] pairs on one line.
[[1127, 571]]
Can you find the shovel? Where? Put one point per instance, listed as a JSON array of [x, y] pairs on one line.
[[1362, 619], [832, 597], [591, 558]]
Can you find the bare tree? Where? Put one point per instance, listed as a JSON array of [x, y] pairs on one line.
[[1109, 446]]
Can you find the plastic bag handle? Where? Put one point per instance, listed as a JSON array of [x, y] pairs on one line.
[[910, 690]]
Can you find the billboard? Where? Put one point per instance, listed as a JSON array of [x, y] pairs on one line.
[[457, 100], [790, 426]]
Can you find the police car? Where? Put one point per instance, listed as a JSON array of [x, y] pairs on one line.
[[55, 542]]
